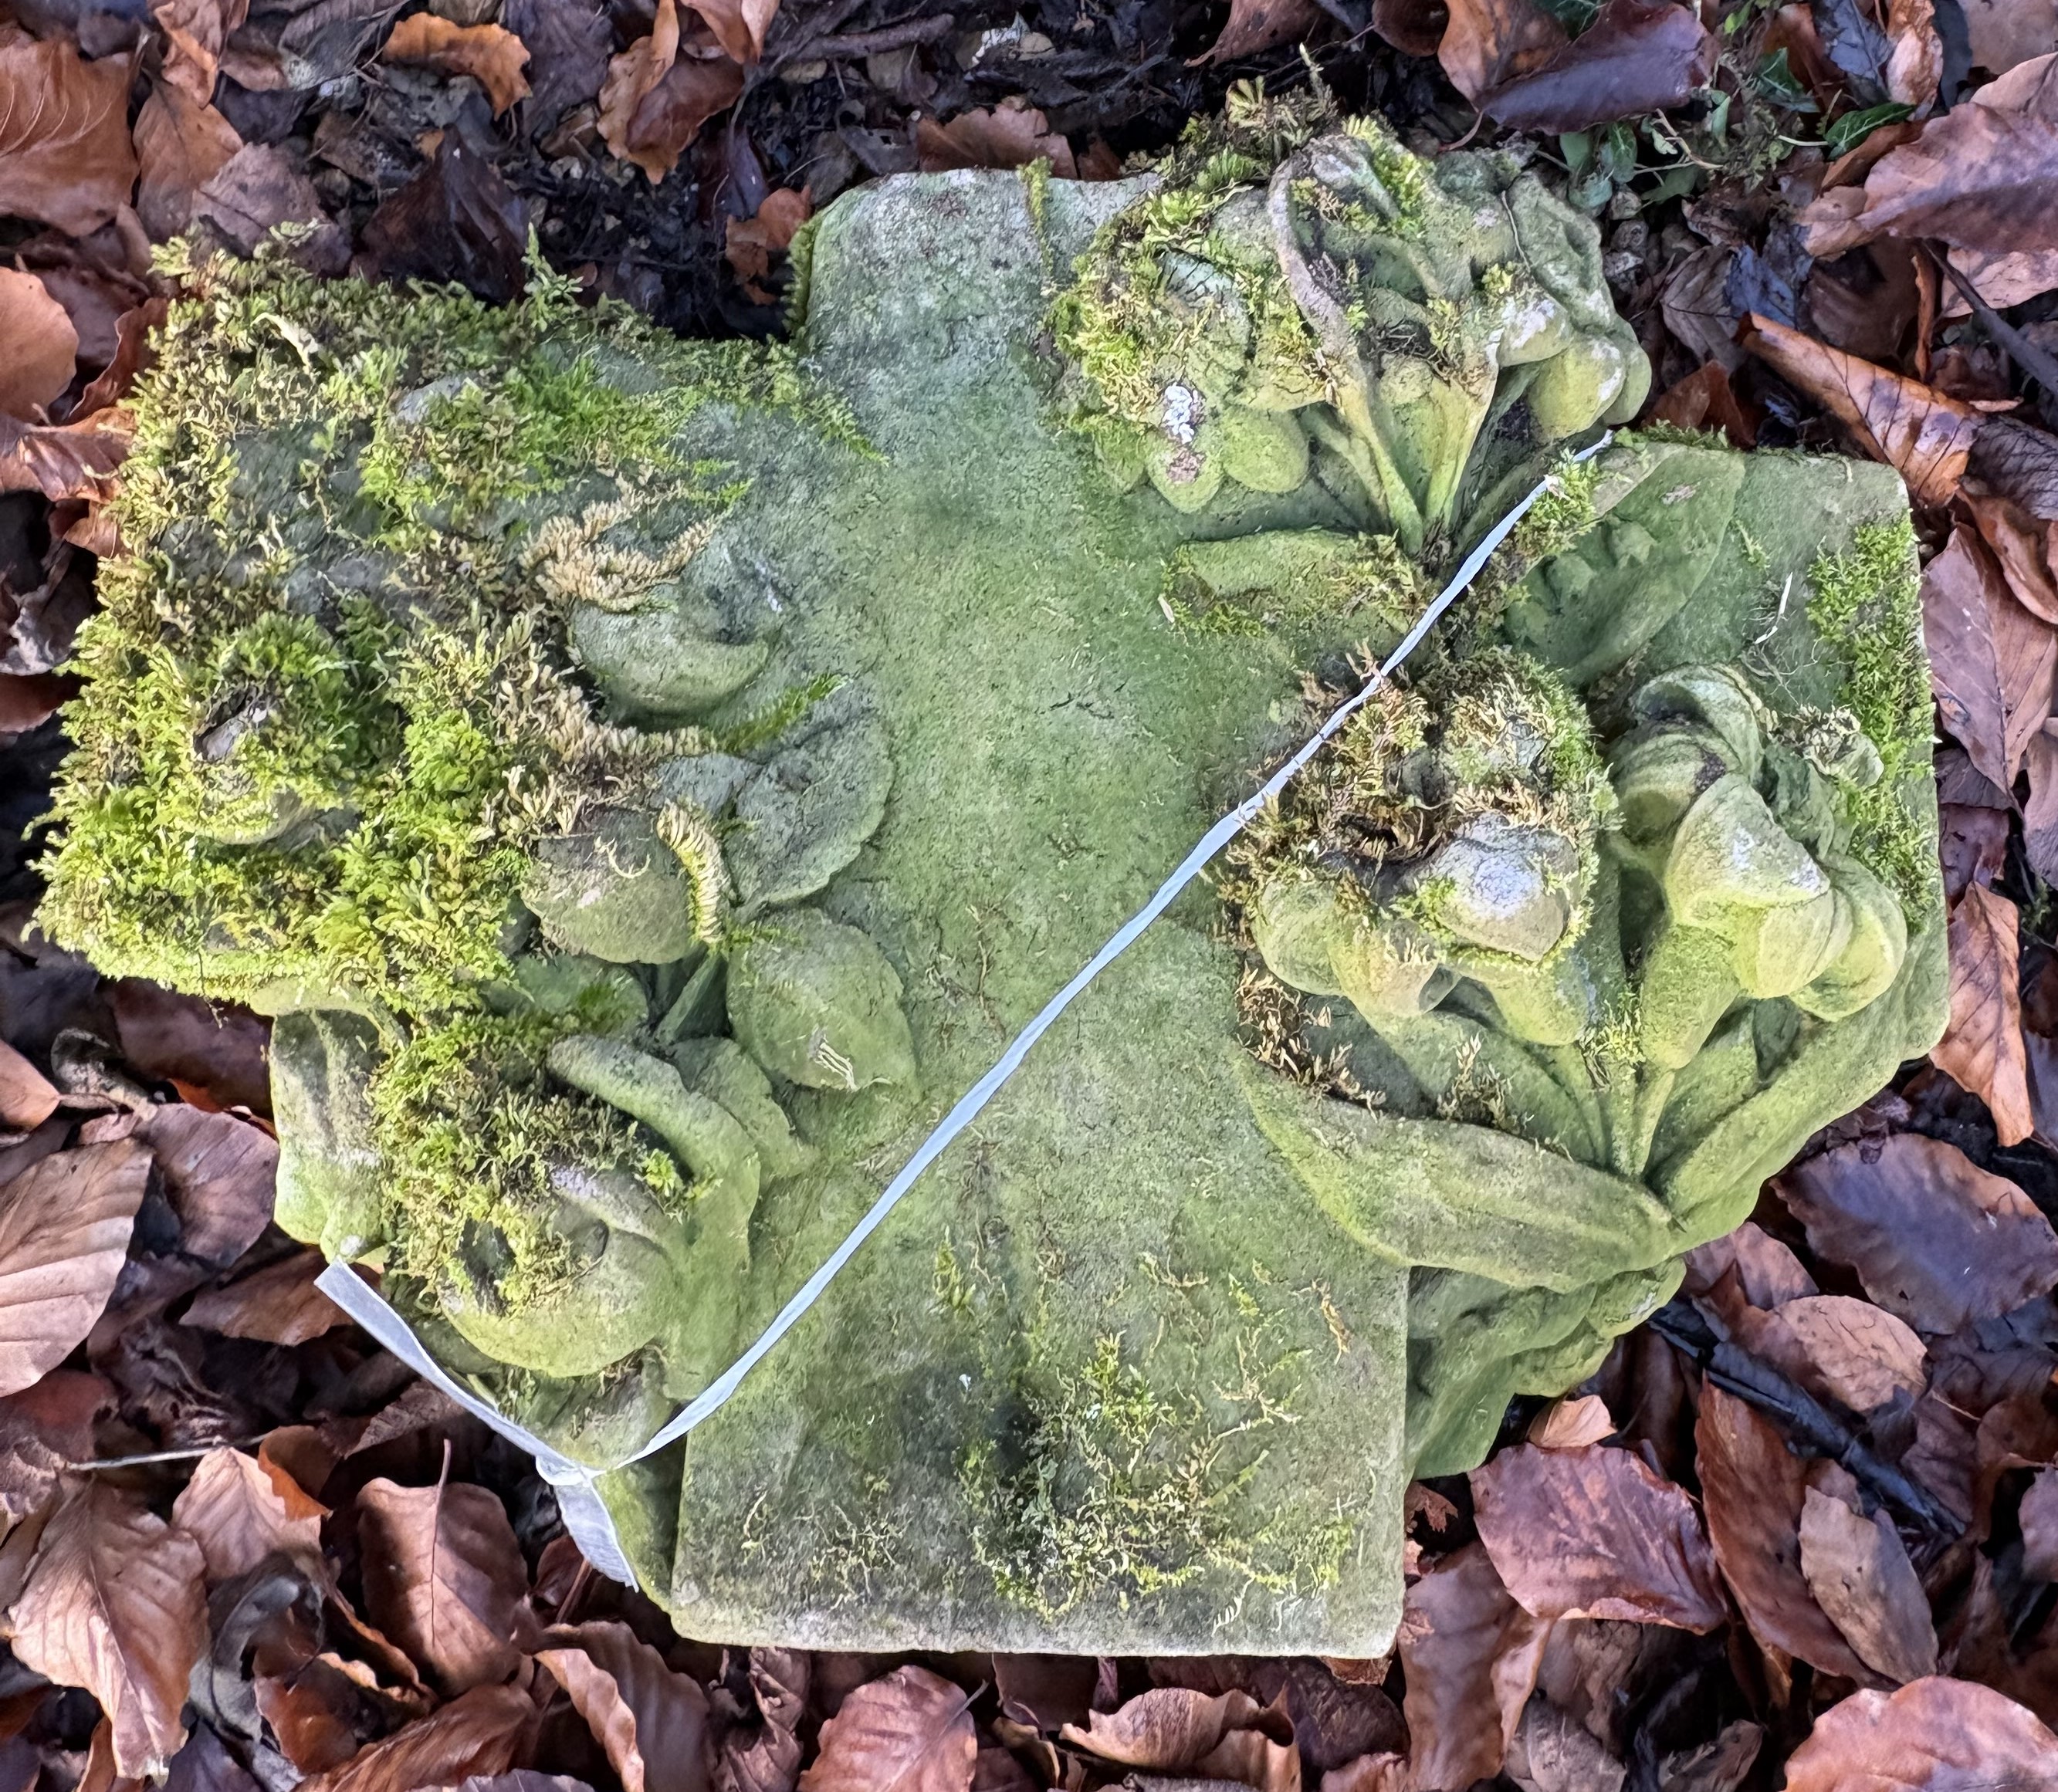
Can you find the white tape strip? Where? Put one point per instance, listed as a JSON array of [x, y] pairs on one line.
[[574, 1481]]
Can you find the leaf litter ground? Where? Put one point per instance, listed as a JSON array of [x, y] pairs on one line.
[[1802, 1529]]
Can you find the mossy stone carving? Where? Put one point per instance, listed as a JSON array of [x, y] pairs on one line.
[[652, 782]]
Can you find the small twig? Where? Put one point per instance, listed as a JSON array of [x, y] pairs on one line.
[[92, 1463], [871, 43], [2031, 359]]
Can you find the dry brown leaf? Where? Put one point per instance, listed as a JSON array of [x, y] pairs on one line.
[[1593, 1532], [482, 1732], [1257, 25], [1982, 1049], [64, 1234], [751, 243], [1769, 1273], [133, 351], [2038, 1516], [1178, 1729], [1489, 43], [1638, 56], [27, 1096], [1991, 662], [492, 55], [219, 1172], [2001, 33], [43, 1429], [238, 1512], [1572, 1424], [278, 1304], [65, 155], [42, 346], [182, 144], [195, 31], [1859, 1573], [114, 1603], [1917, 62], [1753, 1491], [1922, 434], [1470, 1655], [1933, 1735], [653, 105], [1384, 1772], [739, 26], [1934, 1239], [258, 188], [443, 1577], [1013, 134], [651, 1721], [1848, 1350], [912, 1730], [1705, 400], [2019, 542]]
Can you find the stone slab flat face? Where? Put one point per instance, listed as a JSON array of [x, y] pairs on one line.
[[922, 663]]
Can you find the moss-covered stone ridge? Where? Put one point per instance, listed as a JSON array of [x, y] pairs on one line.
[[1302, 297], [651, 782]]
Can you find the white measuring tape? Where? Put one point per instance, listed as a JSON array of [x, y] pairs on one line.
[[586, 1514]]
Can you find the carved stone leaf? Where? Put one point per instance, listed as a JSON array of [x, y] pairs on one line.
[[443, 1577], [1935, 1239], [1858, 1570], [64, 1235], [912, 1731], [1982, 1048], [1592, 1532], [114, 1603], [806, 815], [652, 1721], [239, 1512], [1470, 1655]]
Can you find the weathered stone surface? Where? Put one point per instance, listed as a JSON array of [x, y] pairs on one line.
[[1629, 895]]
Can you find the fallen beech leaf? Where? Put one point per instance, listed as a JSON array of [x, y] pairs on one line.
[[1933, 1735], [28, 703], [64, 460], [456, 219], [219, 1172], [2020, 463], [1859, 1573], [1011, 135], [1982, 1049], [1553, 1751], [1639, 56], [482, 1732], [322, 1713], [133, 351], [2038, 1516], [1572, 1424], [751, 243], [1973, 842], [2017, 540], [1368, 1773], [912, 1730], [1698, 307], [27, 1096], [114, 1604], [44, 1428], [181, 143], [43, 346], [569, 42], [1850, 1350], [259, 188], [1916, 63], [1592, 1532], [2001, 33], [1470, 1655], [651, 1721], [65, 155], [1705, 400], [1768, 1273], [1922, 434], [238, 1512], [63, 1233], [174, 1038], [443, 1577], [492, 55], [1752, 1492], [195, 31], [738, 26], [1256, 24], [278, 1304], [1990, 661], [1210, 1736], [765, 1757], [1488, 44], [1975, 178], [1934, 1239], [652, 105]]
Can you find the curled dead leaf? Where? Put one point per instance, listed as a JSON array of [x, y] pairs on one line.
[[181, 144], [912, 1731], [651, 1720], [739, 26], [1638, 56], [653, 104], [1859, 1573], [1176, 1729], [1470, 1655], [239, 1512], [1592, 1532], [1982, 1049], [27, 1096], [65, 153], [219, 1174], [1257, 25], [278, 1304], [1012, 134], [443, 1577], [492, 55], [195, 31], [65, 460], [64, 1235], [42, 346], [482, 1732], [751, 243], [114, 1603], [1933, 1735], [1916, 430]]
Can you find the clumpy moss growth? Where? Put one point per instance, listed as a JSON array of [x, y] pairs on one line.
[[1866, 606], [329, 709], [1109, 1487]]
